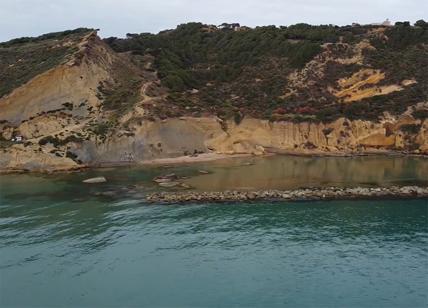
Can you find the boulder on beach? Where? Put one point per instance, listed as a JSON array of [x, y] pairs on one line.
[[95, 180]]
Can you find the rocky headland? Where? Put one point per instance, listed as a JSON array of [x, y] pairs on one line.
[[72, 100]]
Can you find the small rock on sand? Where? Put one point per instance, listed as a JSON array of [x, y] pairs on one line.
[[99, 179], [203, 171]]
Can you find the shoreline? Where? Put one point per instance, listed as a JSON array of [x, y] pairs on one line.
[[206, 157], [308, 194], [386, 153]]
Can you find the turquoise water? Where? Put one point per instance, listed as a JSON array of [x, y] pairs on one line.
[[63, 243]]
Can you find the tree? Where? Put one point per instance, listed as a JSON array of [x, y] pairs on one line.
[[421, 23]]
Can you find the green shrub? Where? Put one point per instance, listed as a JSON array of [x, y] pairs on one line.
[[55, 141], [410, 128], [238, 117], [421, 114], [102, 128]]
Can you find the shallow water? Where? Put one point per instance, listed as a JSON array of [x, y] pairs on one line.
[[64, 244], [288, 172]]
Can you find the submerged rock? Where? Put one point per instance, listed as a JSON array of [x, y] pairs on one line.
[[248, 164], [169, 184], [109, 193], [175, 184], [160, 180], [185, 186], [165, 178], [95, 180]]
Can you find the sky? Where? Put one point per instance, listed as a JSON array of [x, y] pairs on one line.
[[117, 17]]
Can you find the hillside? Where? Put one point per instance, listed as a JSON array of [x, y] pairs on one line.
[[78, 100], [299, 73]]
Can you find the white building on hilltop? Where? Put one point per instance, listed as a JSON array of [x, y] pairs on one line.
[[386, 23]]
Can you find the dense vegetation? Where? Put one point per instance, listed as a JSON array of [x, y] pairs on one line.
[[238, 70], [196, 56], [403, 56], [178, 52], [232, 71]]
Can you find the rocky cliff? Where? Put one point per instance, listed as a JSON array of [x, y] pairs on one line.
[[71, 100]]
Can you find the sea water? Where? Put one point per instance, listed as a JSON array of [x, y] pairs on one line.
[[65, 243]]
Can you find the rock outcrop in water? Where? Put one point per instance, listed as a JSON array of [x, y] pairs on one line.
[[96, 180], [328, 193]]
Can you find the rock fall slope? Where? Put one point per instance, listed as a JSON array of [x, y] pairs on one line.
[[71, 99]]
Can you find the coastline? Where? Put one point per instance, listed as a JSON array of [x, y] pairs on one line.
[[275, 151], [207, 157], [307, 194]]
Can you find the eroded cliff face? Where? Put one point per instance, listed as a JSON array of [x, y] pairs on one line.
[[59, 108], [174, 137], [178, 137], [74, 82]]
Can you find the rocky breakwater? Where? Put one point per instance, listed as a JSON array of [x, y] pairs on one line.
[[328, 193]]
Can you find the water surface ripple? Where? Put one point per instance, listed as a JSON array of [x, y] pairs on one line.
[[61, 244]]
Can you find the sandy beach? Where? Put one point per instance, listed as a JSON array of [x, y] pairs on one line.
[[192, 159]]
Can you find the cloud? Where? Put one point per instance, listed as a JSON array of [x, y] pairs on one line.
[[116, 18]]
